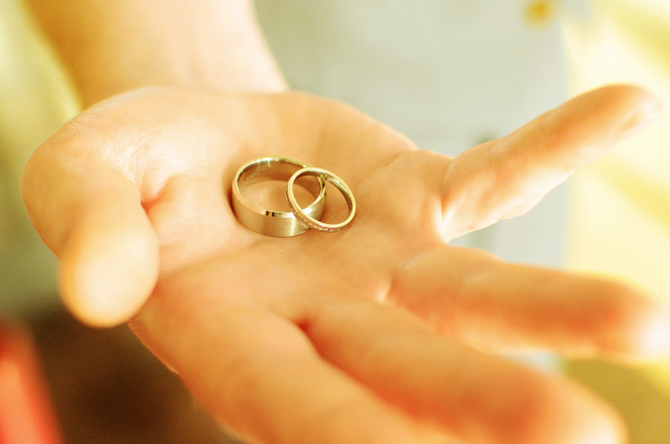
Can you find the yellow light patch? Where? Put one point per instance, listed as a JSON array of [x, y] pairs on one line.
[[540, 13]]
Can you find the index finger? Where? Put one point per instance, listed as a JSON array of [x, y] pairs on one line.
[[511, 175]]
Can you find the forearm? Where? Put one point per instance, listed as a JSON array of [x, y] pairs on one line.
[[112, 46]]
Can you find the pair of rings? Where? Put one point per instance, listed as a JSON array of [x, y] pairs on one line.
[[299, 220]]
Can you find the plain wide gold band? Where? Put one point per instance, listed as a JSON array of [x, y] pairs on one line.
[[268, 222]]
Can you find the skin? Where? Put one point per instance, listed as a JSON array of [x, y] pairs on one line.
[[380, 333]]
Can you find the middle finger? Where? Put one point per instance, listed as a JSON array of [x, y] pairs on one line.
[[473, 296]]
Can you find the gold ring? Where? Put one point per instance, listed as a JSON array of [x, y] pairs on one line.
[[268, 222], [303, 215]]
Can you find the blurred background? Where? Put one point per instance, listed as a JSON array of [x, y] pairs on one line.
[[619, 207], [105, 388]]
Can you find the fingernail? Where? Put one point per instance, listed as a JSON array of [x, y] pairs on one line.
[[642, 118]]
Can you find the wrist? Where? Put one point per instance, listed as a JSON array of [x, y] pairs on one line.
[[110, 48]]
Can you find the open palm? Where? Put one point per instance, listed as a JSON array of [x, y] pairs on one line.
[[378, 333]]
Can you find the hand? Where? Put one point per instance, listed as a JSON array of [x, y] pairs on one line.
[[375, 334]]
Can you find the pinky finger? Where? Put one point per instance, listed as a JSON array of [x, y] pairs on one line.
[[259, 375]]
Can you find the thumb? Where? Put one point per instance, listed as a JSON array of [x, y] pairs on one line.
[[90, 214]]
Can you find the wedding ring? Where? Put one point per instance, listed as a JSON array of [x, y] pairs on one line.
[[303, 215], [268, 222]]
